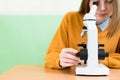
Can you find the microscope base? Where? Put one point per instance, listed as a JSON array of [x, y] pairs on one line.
[[85, 70]]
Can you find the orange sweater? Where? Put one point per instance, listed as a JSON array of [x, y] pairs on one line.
[[68, 35]]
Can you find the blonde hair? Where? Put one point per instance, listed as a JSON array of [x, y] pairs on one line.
[[114, 24]]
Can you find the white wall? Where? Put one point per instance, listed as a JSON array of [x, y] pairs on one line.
[[38, 6]]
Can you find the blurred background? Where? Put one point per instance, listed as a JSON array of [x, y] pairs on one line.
[[27, 27]]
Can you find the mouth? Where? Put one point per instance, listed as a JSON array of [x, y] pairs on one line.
[[101, 14]]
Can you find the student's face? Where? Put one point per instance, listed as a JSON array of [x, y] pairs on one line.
[[104, 10]]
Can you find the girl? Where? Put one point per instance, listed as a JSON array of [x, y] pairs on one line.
[[63, 48]]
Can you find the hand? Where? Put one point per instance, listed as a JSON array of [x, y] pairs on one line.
[[68, 57]]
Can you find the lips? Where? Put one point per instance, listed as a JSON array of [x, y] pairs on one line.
[[101, 14]]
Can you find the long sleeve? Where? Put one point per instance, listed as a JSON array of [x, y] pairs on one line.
[[113, 61], [59, 41], [67, 36]]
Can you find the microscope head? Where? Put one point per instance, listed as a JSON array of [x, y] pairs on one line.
[[89, 17]]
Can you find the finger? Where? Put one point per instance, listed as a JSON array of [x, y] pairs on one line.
[[66, 60], [69, 50], [66, 64], [81, 61], [69, 56]]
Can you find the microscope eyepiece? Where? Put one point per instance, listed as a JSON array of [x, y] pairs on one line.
[[95, 3]]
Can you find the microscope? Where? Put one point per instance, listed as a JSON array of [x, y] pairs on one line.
[[91, 54]]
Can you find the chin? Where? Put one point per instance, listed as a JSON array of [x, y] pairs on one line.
[[100, 19]]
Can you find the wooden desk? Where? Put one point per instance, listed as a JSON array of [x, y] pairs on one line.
[[39, 72]]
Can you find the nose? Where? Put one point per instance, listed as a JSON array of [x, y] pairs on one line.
[[101, 6]]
